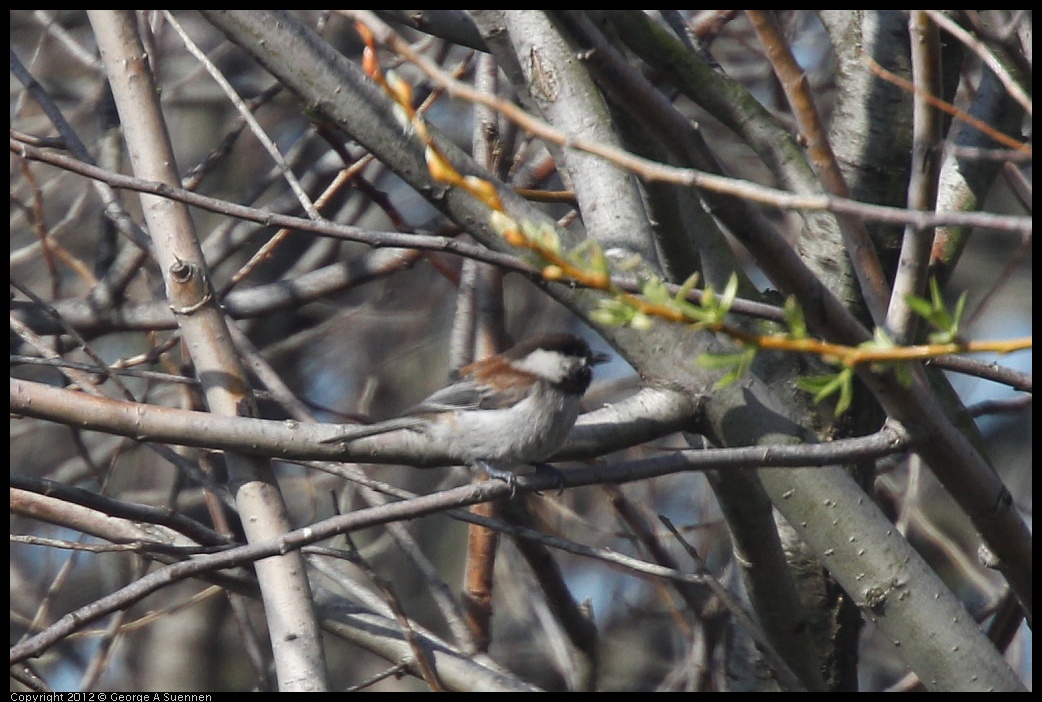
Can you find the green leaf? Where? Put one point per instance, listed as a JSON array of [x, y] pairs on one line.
[[738, 363], [641, 321], [920, 306], [823, 386], [690, 284], [727, 379], [934, 312], [699, 317], [708, 297], [880, 340], [960, 307], [612, 313], [719, 361], [794, 320], [935, 294], [544, 235], [729, 294], [655, 291], [595, 260], [846, 391], [903, 373]]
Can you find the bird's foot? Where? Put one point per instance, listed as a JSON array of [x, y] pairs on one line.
[[507, 476]]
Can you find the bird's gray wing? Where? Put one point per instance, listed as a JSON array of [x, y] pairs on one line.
[[468, 395], [463, 395]]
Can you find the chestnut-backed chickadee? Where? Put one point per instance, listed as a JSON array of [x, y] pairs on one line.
[[504, 411]]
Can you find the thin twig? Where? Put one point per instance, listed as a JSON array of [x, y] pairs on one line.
[[987, 56], [246, 114], [654, 171]]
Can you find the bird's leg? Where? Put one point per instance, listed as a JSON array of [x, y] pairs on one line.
[[506, 476]]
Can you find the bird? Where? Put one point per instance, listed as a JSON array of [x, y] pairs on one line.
[[506, 410]]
